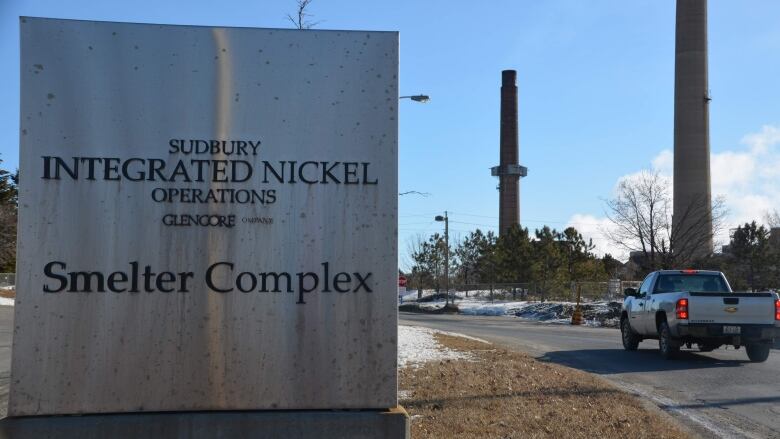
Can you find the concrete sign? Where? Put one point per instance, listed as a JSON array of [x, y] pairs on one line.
[[207, 219]]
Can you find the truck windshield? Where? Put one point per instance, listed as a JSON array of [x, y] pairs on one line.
[[709, 283]]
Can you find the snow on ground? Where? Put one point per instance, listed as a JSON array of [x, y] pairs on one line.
[[482, 308], [603, 313], [416, 345], [4, 301], [8, 287]]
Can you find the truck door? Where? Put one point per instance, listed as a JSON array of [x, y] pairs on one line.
[[636, 310], [652, 304], [647, 320]]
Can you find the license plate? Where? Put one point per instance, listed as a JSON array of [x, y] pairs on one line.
[[732, 329]]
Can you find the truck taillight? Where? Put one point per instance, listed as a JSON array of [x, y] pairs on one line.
[[682, 309], [777, 309]]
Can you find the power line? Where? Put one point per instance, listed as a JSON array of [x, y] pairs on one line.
[[475, 224], [418, 214], [472, 214]]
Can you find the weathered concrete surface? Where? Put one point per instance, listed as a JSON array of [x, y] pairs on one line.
[[692, 218], [370, 424], [124, 91]]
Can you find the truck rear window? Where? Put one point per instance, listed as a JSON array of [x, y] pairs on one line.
[[706, 283]]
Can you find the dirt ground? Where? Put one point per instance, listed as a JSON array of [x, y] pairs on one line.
[[10, 294], [503, 394]]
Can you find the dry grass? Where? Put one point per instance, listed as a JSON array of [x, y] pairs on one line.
[[506, 394], [10, 294]]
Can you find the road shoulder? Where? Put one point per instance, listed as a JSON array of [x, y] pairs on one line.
[[496, 392]]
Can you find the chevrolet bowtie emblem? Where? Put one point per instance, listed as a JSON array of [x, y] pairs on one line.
[[731, 309]]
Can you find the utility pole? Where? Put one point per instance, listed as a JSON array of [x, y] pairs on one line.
[[446, 253]]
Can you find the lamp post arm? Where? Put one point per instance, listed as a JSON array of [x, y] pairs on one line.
[[417, 98]]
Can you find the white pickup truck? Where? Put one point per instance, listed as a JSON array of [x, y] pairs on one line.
[[686, 307]]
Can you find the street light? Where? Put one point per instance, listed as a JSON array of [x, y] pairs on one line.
[[417, 98], [446, 254]]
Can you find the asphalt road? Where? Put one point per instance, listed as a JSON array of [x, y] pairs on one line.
[[717, 394]]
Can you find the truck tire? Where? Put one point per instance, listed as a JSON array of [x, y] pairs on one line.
[[758, 353], [630, 338], [669, 349]]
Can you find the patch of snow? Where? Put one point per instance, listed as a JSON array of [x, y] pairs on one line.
[[455, 334], [416, 345], [410, 295], [4, 301], [596, 314], [404, 394], [481, 308], [8, 287]]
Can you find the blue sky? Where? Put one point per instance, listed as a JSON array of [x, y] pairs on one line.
[[595, 95]]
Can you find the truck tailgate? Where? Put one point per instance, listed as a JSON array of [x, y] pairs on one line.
[[734, 308]]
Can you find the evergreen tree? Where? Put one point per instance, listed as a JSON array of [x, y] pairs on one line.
[[429, 262], [8, 205], [751, 257], [8, 189], [548, 260], [611, 266], [513, 259], [468, 253], [577, 252]]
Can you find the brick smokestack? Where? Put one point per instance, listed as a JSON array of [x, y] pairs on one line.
[[509, 171], [692, 219]]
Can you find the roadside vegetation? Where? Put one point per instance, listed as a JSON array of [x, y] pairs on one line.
[[8, 201], [546, 262], [496, 393], [542, 263]]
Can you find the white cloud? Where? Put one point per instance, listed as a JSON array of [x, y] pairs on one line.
[[764, 140], [730, 169], [664, 162], [592, 227], [747, 177]]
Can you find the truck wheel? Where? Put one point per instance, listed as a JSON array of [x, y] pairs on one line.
[[758, 353], [630, 338], [665, 343]]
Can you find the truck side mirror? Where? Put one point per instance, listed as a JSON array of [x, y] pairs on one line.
[[630, 292]]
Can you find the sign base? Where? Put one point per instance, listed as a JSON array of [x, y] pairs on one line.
[[292, 424]]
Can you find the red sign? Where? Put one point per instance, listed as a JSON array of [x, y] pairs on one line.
[[401, 281]]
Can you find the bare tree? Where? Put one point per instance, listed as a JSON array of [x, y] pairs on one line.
[[641, 220], [772, 218], [300, 19], [639, 215], [692, 234]]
